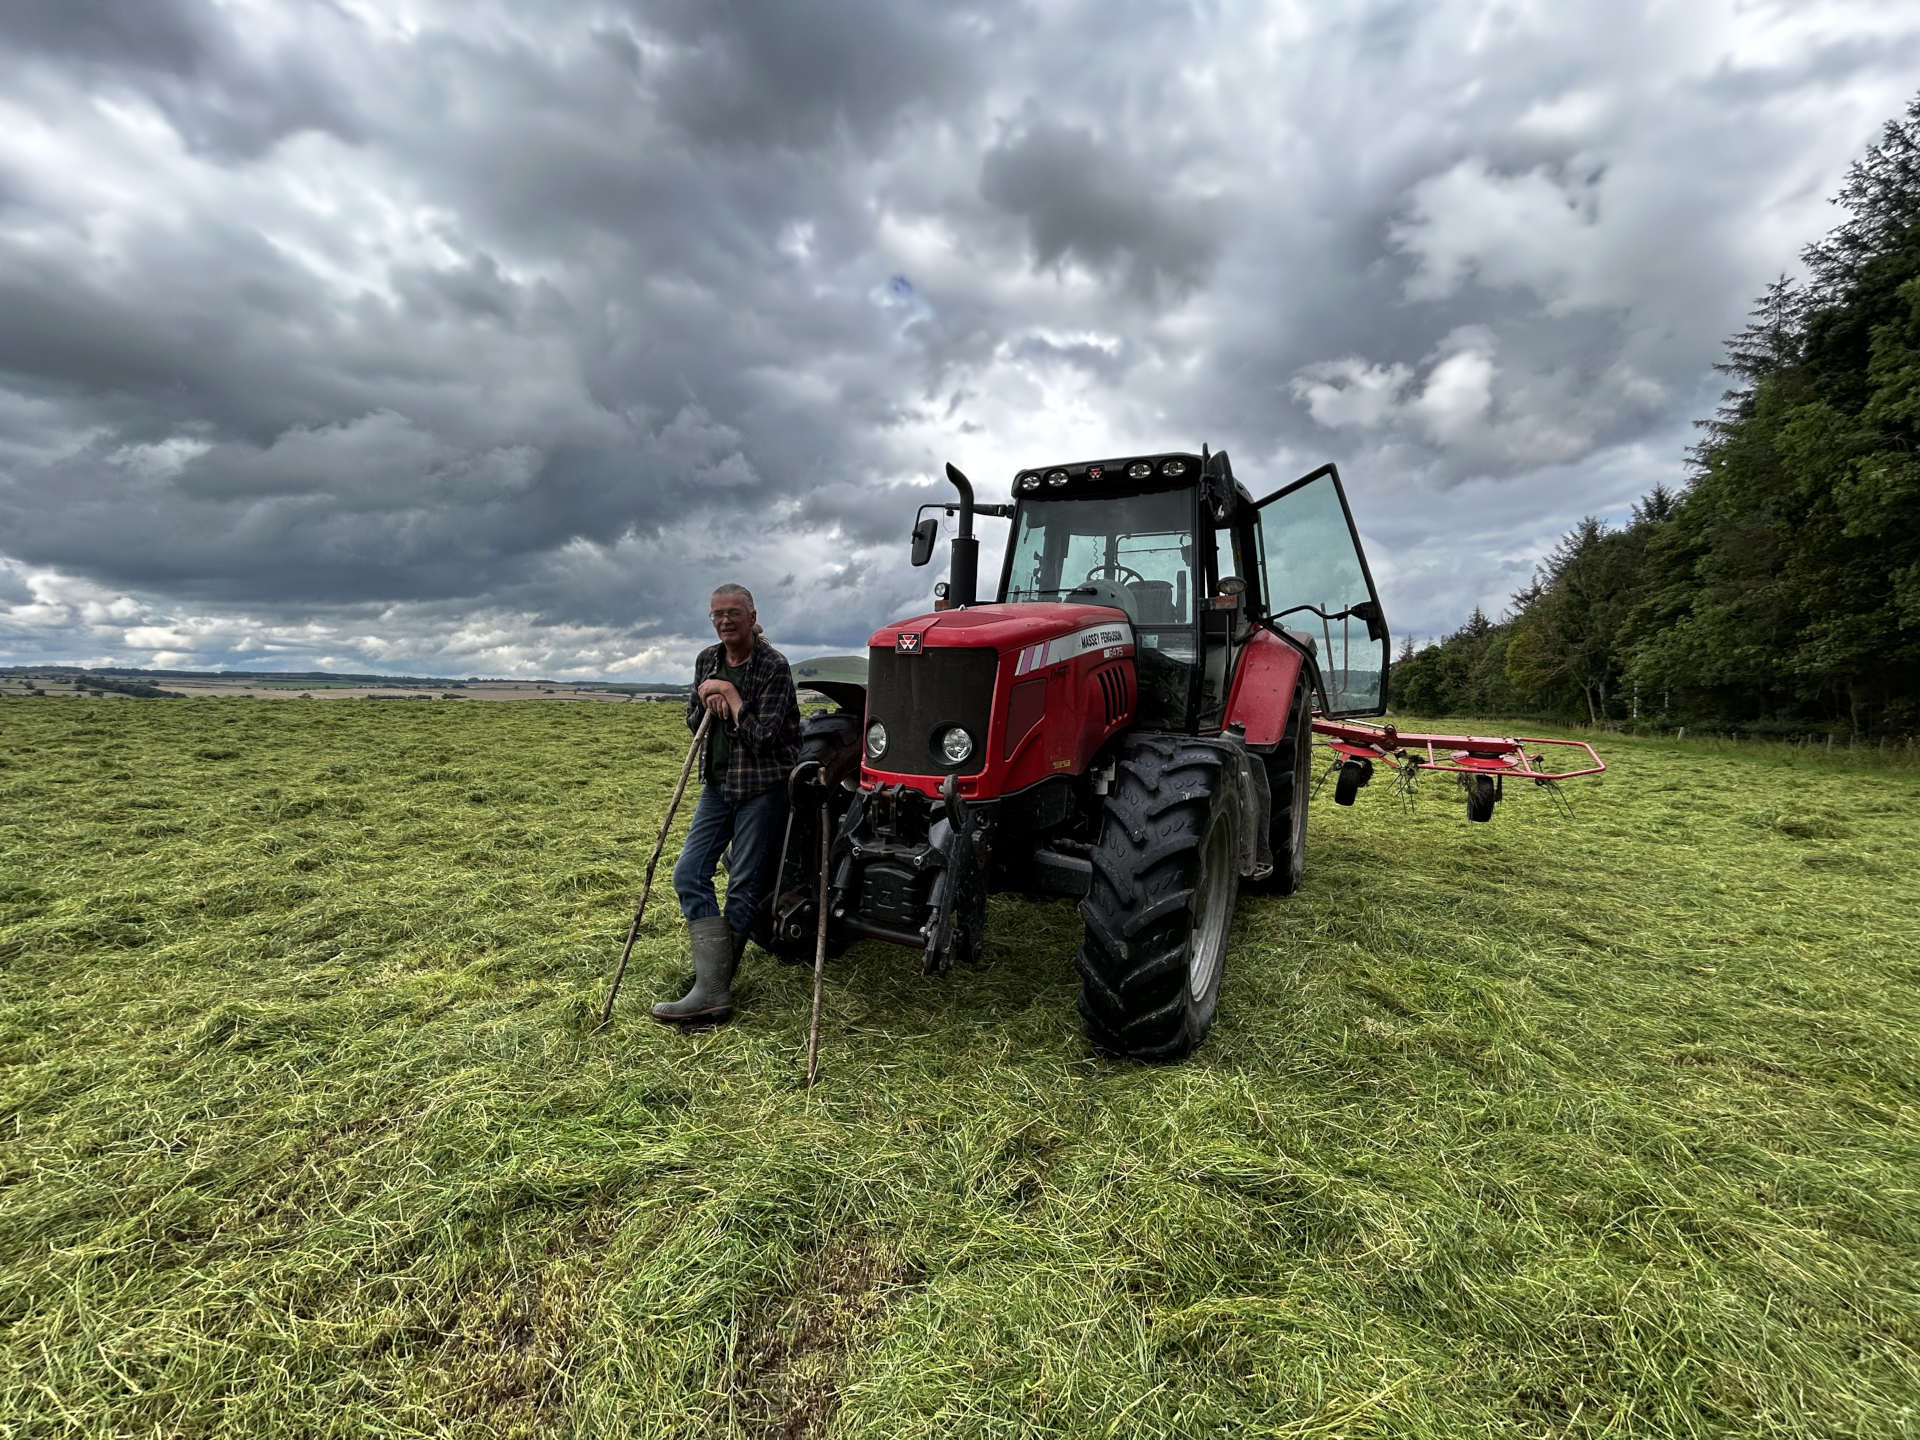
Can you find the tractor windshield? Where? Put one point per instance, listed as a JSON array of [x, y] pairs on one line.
[[1135, 553]]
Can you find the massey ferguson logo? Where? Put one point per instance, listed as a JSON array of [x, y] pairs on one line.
[[907, 642], [1110, 640]]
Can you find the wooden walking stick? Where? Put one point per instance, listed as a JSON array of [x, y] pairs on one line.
[[646, 885], [819, 944]]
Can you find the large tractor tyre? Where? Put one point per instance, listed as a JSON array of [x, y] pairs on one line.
[[1290, 784], [1165, 878], [833, 741]]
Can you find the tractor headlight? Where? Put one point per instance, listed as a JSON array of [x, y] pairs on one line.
[[1056, 477], [1139, 470], [1174, 468], [876, 740], [955, 745]]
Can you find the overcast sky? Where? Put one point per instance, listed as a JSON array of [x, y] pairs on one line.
[[455, 337]]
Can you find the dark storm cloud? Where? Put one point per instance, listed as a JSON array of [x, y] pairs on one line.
[[1086, 199], [174, 36], [13, 589], [492, 340], [800, 74], [223, 95]]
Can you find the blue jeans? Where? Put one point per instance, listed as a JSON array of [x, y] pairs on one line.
[[755, 828]]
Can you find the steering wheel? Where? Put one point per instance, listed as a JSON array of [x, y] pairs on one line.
[[1122, 573]]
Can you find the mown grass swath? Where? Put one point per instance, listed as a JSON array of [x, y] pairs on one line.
[[1601, 1126]]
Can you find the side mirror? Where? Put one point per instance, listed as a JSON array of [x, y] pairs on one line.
[[924, 534], [1376, 621]]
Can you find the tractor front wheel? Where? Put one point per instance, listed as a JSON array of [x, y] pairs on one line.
[[1165, 879]]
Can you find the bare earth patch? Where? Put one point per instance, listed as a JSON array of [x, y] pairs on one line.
[[784, 1380]]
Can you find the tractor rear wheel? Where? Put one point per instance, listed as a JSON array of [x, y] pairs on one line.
[[1166, 875], [1289, 777]]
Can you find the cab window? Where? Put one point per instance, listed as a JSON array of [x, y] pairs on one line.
[[1132, 551]]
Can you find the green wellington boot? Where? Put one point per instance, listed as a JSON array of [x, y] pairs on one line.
[[710, 1001]]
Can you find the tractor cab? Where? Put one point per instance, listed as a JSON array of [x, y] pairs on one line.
[[1199, 567]]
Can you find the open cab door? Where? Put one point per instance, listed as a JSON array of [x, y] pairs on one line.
[[1314, 581]]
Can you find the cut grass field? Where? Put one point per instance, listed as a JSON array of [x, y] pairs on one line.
[[1545, 1127]]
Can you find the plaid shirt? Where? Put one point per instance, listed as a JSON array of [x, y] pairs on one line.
[[766, 737]]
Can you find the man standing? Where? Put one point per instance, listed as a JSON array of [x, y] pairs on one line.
[[744, 683]]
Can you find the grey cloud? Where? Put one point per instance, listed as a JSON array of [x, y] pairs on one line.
[[473, 290], [170, 35], [795, 74], [1825, 63], [191, 63], [1087, 199], [1109, 365], [13, 589]]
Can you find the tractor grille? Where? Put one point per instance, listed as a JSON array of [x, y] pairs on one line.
[[918, 696], [1113, 692]]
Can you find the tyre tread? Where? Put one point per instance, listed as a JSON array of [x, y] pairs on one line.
[[1133, 957]]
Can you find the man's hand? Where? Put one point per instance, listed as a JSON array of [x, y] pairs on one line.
[[721, 698]]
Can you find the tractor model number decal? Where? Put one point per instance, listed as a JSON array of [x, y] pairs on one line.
[[1109, 639]]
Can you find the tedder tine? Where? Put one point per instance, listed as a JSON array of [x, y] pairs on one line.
[[646, 885], [820, 941]]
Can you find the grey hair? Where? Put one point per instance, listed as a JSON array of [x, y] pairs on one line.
[[746, 595]]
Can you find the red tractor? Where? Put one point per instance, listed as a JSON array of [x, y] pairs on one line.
[[1128, 724]]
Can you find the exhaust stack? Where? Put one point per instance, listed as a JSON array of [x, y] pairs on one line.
[[964, 574]]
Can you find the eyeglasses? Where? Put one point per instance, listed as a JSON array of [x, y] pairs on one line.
[[718, 615]]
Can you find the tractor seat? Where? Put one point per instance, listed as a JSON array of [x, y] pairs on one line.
[[1152, 602]]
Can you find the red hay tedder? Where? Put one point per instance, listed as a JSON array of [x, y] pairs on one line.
[[1483, 763], [1129, 724]]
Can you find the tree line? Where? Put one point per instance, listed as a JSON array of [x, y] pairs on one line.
[[1777, 587]]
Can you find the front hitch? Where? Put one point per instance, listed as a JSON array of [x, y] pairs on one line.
[[913, 872], [959, 887]]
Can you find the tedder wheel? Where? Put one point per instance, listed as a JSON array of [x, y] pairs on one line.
[[1353, 774], [833, 739], [1481, 793], [1165, 877], [1289, 784]]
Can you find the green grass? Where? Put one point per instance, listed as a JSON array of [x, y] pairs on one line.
[[1592, 1127]]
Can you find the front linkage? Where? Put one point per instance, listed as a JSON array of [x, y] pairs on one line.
[[913, 871]]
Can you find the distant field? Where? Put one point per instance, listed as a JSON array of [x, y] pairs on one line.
[[1608, 1126], [212, 687]]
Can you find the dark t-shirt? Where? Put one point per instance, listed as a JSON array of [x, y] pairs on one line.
[[719, 745]]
